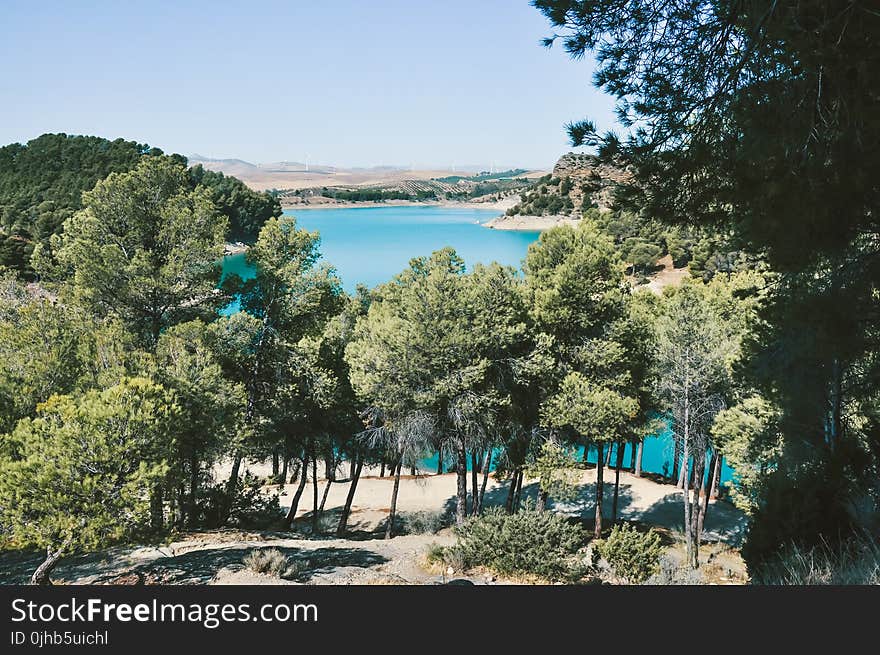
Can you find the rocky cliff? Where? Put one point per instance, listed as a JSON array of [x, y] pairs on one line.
[[589, 179], [578, 182]]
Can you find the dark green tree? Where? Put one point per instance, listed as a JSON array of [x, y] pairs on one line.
[[290, 298], [758, 119], [145, 249], [247, 210]]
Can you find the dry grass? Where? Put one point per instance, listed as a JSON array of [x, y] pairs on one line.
[[269, 561], [856, 562]]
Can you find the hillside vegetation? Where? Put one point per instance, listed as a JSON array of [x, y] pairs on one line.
[[581, 186], [42, 181]]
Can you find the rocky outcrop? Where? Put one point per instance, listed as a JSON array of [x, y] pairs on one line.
[[578, 182], [590, 177]]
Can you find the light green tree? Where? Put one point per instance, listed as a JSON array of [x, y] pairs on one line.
[[748, 435], [596, 412], [436, 340], [556, 470], [47, 347], [698, 340], [79, 474], [579, 299]]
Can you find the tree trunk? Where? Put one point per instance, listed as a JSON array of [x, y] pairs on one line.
[[389, 526], [511, 490], [284, 468], [640, 452], [382, 470], [697, 512], [275, 464], [475, 498], [181, 502], [716, 476], [688, 537], [706, 489], [331, 478], [297, 468], [192, 502], [608, 456], [518, 496], [676, 458], [41, 574], [617, 481], [324, 497], [314, 493], [835, 402], [600, 469], [231, 488], [542, 500], [487, 462], [342, 528], [330, 465], [440, 459], [157, 507], [461, 490], [633, 446], [352, 465], [294, 504]]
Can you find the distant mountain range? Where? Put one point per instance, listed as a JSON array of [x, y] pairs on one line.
[[298, 175]]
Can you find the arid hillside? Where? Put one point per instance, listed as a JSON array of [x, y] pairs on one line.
[[297, 175]]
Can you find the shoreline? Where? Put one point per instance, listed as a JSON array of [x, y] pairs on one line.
[[234, 248], [528, 223], [497, 205]]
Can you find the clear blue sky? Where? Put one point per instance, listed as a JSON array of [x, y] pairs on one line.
[[346, 82]]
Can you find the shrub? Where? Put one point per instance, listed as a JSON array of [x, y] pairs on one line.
[[435, 554], [555, 467], [633, 555], [270, 561], [422, 522], [327, 523], [455, 558], [531, 542], [808, 504], [251, 508], [671, 572]]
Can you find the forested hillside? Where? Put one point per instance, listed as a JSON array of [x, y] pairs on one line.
[[42, 181], [41, 184]]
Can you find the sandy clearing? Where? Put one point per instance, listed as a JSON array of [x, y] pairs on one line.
[[668, 276], [641, 499], [215, 557]]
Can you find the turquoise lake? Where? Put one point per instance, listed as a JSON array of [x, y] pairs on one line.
[[369, 245]]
